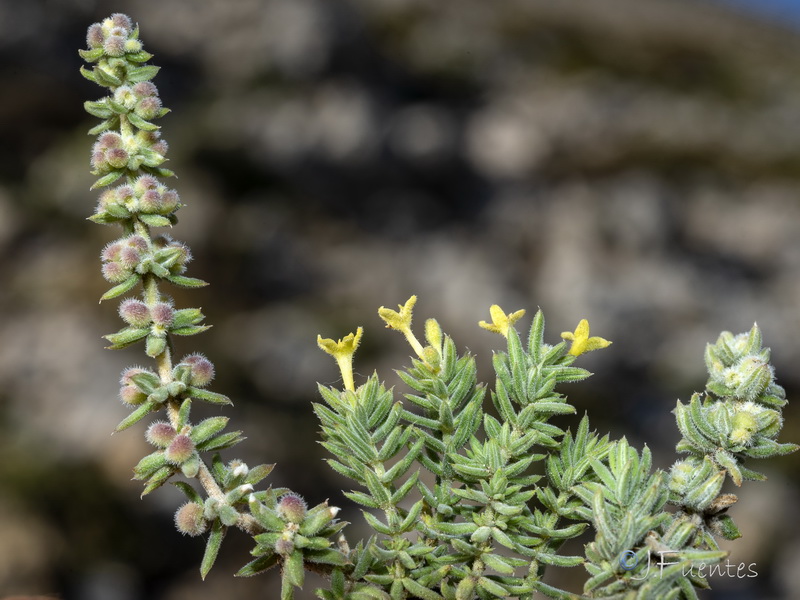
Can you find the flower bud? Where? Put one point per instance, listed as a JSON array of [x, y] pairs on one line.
[[180, 449], [133, 46], [162, 314], [129, 257], [202, 369], [189, 519], [150, 202], [148, 108], [114, 45], [122, 21], [111, 252], [94, 36], [292, 508], [115, 272], [134, 312], [143, 89], [169, 201], [138, 242], [117, 158], [160, 434], [132, 395], [161, 147], [109, 139], [743, 427], [144, 183], [125, 96]]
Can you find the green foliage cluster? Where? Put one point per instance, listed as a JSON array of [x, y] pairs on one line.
[[464, 503]]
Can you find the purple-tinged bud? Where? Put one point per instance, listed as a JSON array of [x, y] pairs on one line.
[[169, 201], [99, 160], [160, 434], [148, 108], [109, 140], [129, 257], [114, 45], [134, 312], [180, 449], [150, 201], [125, 195], [202, 369], [138, 242], [189, 519], [132, 395], [284, 547], [120, 31], [94, 36], [122, 20], [161, 146], [115, 272], [144, 183], [143, 89], [127, 375], [111, 251], [292, 508], [162, 314], [117, 157], [107, 198]]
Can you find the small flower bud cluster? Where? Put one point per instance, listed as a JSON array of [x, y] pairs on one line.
[[201, 372], [122, 257], [137, 314], [112, 36], [130, 393], [146, 196]]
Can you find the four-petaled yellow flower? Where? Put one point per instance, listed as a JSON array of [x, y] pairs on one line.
[[401, 321], [500, 320], [343, 350], [581, 342]]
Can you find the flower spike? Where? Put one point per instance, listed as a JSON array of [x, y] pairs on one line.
[[581, 342], [500, 320], [343, 350]]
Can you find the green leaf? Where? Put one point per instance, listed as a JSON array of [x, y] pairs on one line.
[[190, 492], [207, 428], [190, 330], [420, 591], [98, 109], [259, 565], [89, 75], [187, 316], [189, 282], [226, 440], [206, 396], [212, 548], [122, 288], [258, 473], [145, 73], [149, 465], [125, 337], [108, 179], [158, 479], [155, 220], [137, 415], [492, 587]]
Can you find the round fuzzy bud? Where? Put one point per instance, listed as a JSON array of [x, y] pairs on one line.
[[106, 199], [143, 89], [99, 160], [114, 45], [180, 449], [138, 242], [169, 201], [134, 312], [162, 314], [132, 46], [284, 547], [160, 434], [94, 36], [129, 257], [292, 508], [132, 395], [148, 108], [109, 140], [681, 475], [117, 158], [144, 183], [127, 375], [202, 369], [111, 252], [161, 146], [115, 272], [123, 21], [125, 96], [151, 201], [189, 519]]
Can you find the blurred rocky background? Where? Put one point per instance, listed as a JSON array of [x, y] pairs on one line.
[[634, 162]]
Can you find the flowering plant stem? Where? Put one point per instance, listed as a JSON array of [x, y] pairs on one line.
[[488, 522]]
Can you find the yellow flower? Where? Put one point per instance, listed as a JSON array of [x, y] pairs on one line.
[[401, 321], [343, 350], [581, 342], [500, 320]]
